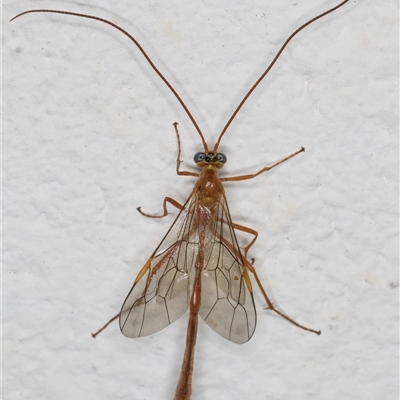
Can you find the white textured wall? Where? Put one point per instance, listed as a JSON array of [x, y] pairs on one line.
[[88, 137]]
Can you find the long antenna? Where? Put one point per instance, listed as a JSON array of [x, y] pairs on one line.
[[263, 75], [148, 59]]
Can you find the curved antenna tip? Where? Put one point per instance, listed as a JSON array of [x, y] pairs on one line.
[[139, 47]]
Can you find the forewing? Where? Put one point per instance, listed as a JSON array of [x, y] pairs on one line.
[[227, 304], [161, 291]]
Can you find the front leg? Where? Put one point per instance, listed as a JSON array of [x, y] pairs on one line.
[[265, 169], [178, 159]]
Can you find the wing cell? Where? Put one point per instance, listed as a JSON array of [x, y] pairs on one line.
[[160, 295], [227, 304]]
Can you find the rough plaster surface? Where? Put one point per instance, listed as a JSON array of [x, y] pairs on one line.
[[88, 137]]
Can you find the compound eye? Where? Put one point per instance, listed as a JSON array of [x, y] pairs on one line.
[[199, 157], [222, 158]]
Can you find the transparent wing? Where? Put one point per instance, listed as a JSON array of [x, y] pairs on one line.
[[227, 304], [161, 291]]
